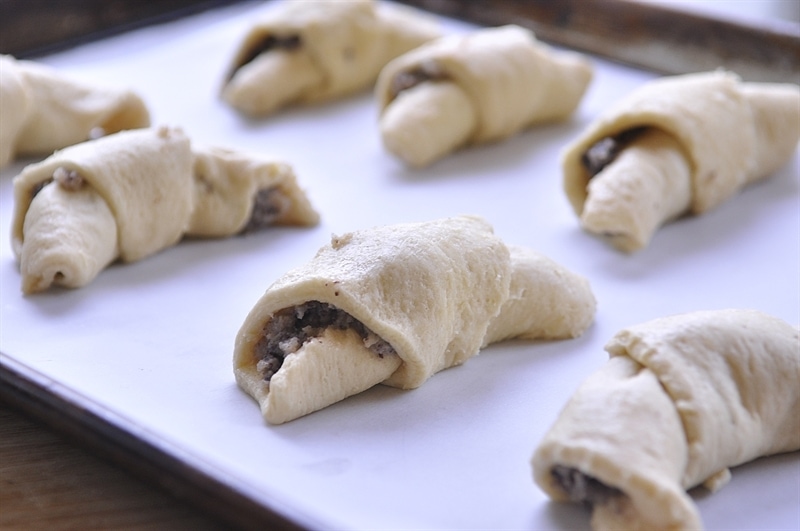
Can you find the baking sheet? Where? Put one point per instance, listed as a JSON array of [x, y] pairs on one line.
[[665, 37], [152, 341]]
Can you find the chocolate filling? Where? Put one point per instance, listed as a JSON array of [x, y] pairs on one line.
[[271, 42], [269, 204], [288, 329], [582, 488], [605, 151]]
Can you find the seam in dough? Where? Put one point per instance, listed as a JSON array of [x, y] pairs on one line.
[[315, 51], [138, 192], [44, 110], [680, 400], [480, 87], [728, 134], [436, 292]]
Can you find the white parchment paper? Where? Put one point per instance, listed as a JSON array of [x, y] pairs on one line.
[[152, 341]]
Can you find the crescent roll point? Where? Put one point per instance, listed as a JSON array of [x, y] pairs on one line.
[[44, 110], [131, 194], [239, 192], [681, 399], [480, 87], [675, 146], [315, 51], [394, 305]]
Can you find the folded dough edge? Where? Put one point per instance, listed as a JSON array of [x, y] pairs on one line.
[[349, 42], [44, 110], [680, 399], [733, 377], [226, 183], [732, 133], [512, 80], [428, 289], [149, 218]]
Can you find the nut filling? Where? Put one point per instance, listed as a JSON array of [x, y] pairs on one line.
[[269, 204], [38, 187], [68, 179], [272, 42], [583, 488], [290, 328], [427, 71], [604, 151]]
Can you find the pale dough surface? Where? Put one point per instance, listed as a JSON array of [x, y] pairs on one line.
[[732, 133], [44, 110], [145, 177], [427, 122], [345, 43], [511, 80], [69, 237], [545, 301], [432, 290], [336, 365], [14, 103], [142, 191], [680, 400], [226, 182], [648, 184], [429, 289]]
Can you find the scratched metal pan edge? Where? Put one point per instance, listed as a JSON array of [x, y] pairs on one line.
[[109, 436], [663, 39], [29, 29]]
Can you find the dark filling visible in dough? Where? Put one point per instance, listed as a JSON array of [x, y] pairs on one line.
[[411, 78], [271, 42], [290, 328], [68, 179], [269, 204], [583, 488], [603, 152], [38, 187]]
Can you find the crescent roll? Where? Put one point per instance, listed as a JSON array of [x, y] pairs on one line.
[[44, 110], [394, 305], [309, 51], [677, 145], [128, 195], [480, 87], [680, 400]]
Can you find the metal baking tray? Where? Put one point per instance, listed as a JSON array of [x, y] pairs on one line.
[[137, 365]]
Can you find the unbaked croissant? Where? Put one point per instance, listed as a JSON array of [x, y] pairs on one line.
[[128, 195], [479, 87], [680, 400], [395, 305], [677, 145], [309, 51], [42, 110]]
